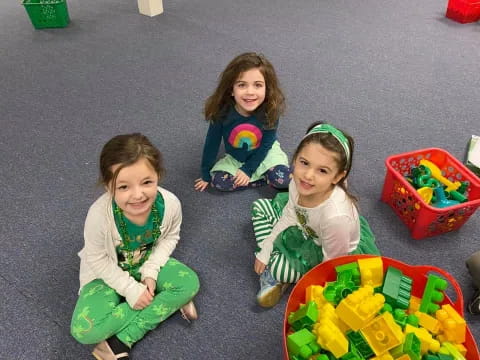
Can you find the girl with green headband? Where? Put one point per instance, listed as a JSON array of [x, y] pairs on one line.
[[315, 221]]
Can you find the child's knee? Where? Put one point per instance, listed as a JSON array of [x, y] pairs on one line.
[[223, 181], [195, 284], [256, 207], [83, 332], [186, 280], [279, 176]]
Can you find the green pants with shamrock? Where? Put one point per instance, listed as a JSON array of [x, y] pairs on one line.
[[101, 313]]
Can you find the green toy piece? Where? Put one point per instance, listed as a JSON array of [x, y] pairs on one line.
[[354, 274], [304, 317], [356, 340], [400, 316], [397, 288], [437, 356], [413, 320], [463, 187], [348, 280], [456, 195], [353, 354], [433, 294], [302, 345], [450, 349], [411, 346]]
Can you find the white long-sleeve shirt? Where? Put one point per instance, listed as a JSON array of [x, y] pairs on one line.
[[334, 224], [98, 258]]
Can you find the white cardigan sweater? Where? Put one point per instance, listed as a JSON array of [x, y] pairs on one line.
[[98, 258], [335, 221]]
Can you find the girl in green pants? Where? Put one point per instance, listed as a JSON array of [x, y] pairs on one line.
[[129, 283]]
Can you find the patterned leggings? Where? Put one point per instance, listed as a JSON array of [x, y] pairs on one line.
[[101, 313], [278, 177], [264, 218]]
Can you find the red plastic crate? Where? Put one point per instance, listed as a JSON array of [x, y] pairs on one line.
[[325, 272], [422, 219], [463, 11]]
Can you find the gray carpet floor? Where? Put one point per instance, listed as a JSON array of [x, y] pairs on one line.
[[397, 75]]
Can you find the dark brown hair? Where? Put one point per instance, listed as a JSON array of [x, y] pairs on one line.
[[330, 142], [274, 104], [127, 150]]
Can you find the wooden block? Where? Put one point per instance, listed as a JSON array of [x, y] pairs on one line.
[[150, 7]]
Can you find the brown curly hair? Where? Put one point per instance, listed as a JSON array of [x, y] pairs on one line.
[[221, 100]]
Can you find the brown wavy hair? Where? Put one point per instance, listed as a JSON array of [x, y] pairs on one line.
[[331, 143], [126, 150], [221, 100]]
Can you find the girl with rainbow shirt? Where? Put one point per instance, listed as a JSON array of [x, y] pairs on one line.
[[244, 112]]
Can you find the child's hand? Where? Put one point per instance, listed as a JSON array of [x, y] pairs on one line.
[[259, 266], [241, 179], [200, 184], [144, 300], [151, 285]]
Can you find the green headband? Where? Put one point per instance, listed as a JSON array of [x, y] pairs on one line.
[[337, 134]]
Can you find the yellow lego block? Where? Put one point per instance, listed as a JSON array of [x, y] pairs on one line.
[[315, 293], [414, 304], [371, 271], [428, 322], [361, 306], [382, 333], [453, 326], [386, 356], [427, 342], [330, 337], [328, 312], [403, 357]]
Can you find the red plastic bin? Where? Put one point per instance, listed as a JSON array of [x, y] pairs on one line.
[[463, 11], [326, 272], [422, 219]]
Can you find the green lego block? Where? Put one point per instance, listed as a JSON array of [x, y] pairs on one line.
[[397, 288], [449, 349], [411, 347], [302, 344], [304, 317], [356, 340], [348, 280], [433, 294], [350, 272], [437, 356], [444, 356]]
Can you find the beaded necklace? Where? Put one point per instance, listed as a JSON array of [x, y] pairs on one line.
[[123, 226]]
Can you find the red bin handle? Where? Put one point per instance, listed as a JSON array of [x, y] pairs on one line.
[[458, 303]]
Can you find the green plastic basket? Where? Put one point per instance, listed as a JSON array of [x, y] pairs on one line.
[[47, 13]]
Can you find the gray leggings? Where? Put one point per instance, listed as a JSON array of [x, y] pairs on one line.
[[473, 266]]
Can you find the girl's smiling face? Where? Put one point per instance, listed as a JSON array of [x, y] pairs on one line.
[[135, 190], [315, 174], [249, 91]]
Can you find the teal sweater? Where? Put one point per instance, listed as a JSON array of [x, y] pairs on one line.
[[245, 139]]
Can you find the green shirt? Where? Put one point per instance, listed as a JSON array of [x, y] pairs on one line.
[[137, 240]]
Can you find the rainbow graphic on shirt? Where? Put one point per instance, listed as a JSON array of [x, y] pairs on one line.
[[245, 134]]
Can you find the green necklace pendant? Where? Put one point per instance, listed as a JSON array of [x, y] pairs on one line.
[[155, 231]]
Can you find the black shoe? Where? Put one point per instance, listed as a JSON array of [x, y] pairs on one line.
[[474, 305]]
